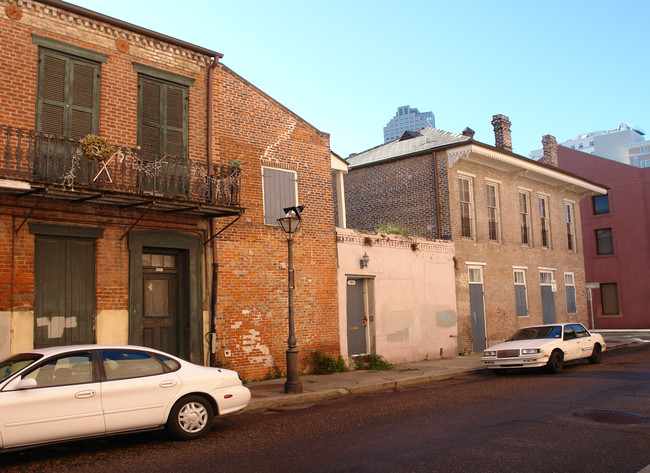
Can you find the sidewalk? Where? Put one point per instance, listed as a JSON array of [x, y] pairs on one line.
[[270, 394]]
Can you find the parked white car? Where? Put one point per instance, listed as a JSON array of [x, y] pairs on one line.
[[62, 393], [545, 345]]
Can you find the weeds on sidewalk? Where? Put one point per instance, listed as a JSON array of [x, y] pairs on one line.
[[371, 362], [327, 364]]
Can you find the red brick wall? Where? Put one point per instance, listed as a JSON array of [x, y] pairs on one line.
[[249, 127]]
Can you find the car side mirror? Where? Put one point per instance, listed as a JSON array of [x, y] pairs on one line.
[[27, 383]]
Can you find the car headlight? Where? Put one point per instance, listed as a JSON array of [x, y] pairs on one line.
[[489, 353], [530, 351]]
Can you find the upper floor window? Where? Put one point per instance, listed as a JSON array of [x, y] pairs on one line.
[[601, 204], [524, 217], [569, 217], [68, 94], [162, 117], [604, 241], [545, 222], [280, 191], [493, 211], [466, 207]]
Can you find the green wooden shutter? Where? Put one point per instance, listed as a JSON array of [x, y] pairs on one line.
[[163, 118], [69, 95]]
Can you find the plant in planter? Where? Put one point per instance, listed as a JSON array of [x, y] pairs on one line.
[[95, 148]]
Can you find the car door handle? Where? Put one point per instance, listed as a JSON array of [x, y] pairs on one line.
[[85, 394], [168, 384]]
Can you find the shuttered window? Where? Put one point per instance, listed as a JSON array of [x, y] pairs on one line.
[[279, 193], [162, 118], [68, 94]]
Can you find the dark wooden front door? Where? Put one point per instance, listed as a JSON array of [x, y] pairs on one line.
[[64, 291], [161, 309]]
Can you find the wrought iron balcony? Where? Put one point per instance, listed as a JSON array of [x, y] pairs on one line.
[[32, 162]]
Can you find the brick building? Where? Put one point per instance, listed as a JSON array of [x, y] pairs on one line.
[[514, 223], [165, 231]]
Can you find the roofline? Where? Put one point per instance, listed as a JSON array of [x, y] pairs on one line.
[[500, 154], [129, 26]]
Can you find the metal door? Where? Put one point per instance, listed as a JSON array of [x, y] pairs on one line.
[[64, 292], [357, 318], [477, 309], [160, 321], [548, 297]]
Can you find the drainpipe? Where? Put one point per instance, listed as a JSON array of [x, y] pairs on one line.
[[213, 243]]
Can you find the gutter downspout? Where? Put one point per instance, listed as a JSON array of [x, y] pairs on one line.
[[213, 243]]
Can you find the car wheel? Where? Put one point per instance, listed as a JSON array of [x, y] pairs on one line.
[[190, 418], [596, 355], [556, 361]]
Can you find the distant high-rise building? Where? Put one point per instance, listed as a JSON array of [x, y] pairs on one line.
[[405, 119]]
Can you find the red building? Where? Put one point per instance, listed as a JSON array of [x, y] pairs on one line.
[[162, 229], [616, 235]]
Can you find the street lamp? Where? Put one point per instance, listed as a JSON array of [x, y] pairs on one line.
[[290, 224]]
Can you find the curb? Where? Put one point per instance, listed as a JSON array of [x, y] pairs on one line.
[[305, 398]]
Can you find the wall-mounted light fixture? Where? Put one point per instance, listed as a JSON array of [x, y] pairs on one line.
[[363, 262]]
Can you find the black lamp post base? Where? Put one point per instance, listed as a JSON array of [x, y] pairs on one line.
[[293, 385]]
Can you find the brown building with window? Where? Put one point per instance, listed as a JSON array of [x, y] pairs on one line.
[[140, 185], [514, 223]]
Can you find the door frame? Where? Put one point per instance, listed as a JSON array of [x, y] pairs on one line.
[[476, 346], [190, 283]]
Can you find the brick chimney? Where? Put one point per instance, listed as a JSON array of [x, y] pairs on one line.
[[502, 138], [549, 144], [468, 132]]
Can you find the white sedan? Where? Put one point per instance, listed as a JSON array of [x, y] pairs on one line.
[[545, 345], [62, 393]]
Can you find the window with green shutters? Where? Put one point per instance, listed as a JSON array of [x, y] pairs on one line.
[[68, 94], [162, 118]]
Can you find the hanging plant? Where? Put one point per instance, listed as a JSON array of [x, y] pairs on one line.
[[96, 148]]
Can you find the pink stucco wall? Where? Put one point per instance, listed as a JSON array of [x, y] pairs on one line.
[[629, 219], [413, 298]]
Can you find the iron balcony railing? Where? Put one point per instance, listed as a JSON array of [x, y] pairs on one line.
[[43, 158]]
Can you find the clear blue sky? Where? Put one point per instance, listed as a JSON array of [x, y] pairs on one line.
[[560, 67]]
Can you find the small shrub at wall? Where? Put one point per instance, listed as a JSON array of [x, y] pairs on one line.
[[371, 362], [389, 227], [327, 364]]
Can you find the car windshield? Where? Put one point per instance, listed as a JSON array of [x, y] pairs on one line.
[[16, 363], [530, 333]]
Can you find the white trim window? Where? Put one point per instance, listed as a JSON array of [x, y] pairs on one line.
[[524, 218], [545, 221], [569, 284], [494, 228], [466, 198], [569, 218], [280, 189], [521, 297]]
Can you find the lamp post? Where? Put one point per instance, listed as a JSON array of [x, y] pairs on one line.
[[290, 224]]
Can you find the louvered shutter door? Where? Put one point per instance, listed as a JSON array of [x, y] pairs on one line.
[[52, 95], [82, 98], [150, 118], [174, 123]]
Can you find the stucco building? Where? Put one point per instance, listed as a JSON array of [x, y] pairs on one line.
[[163, 232], [514, 223]]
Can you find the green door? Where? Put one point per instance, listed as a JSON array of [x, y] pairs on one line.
[[64, 291]]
